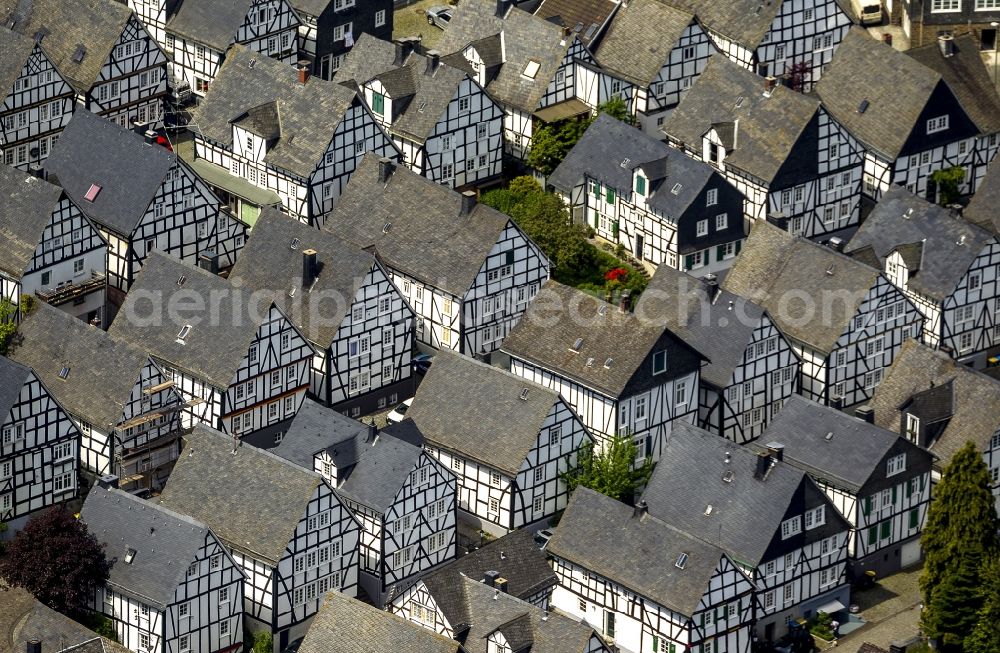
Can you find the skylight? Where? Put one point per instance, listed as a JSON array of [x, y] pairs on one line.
[[185, 330], [181, 280], [681, 561], [607, 363], [531, 69], [728, 477], [129, 556], [524, 394], [576, 345], [295, 243], [676, 189], [625, 162], [80, 53], [92, 192], [590, 362], [863, 106], [739, 102], [64, 372]]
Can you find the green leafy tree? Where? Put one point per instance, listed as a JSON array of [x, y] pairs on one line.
[[263, 642], [985, 636], [8, 321], [948, 181], [553, 141], [960, 533], [612, 471]]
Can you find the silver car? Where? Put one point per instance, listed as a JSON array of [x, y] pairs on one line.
[[439, 16]]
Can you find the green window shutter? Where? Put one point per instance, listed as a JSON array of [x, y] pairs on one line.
[[689, 261], [378, 103], [872, 535], [909, 487], [914, 518], [640, 185], [611, 195], [867, 507], [656, 644], [893, 495], [597, 190], [673, 648], [886, 529], [597, 219], [720, 251], [923, 482]]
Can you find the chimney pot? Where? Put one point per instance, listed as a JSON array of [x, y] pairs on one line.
[[946, 43], [385, 168], [468, 202], [625, 302], [501, 584], [641, 508], [372, 432], [865, 412], [776, 450], [490, 578], [34, 646], [778, 220], [303, 74], [308, 267], [769, 83], [209, 260], [108, 481], [433, 59]]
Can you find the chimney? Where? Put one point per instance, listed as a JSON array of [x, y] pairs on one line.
[[711, 286], [763, 465], [776, 450], [404, 47], [490, 578], [865, 412], [433, 59], [149, 136], [385, 168], [468, 202], [836, 403], [372, 432], [209, 260], [108, 481], [34, 646], [303, 74], [565, 35], [36, 170], [625, 302], [769, 83], [640, 509], [501, 584], [946, 44], [308, 267], [778, 220], [501, 8]]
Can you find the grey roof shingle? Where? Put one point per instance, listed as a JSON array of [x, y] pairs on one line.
[[316, 428], [221, 332], [582, 537], [586, 18], [96, 25], [252, 500], [14, 52], [984, 207], [640, 38], [103, 369], [313, 8], [23, 618], [775, 267], [346, 625], [95, 151], [27, 209], [165, 543], [765, 130], [212, 22], [456, 387], [382, 470], [743, 21], [369, 57], [436, 244], [13, 376], [308, 113], [268, 263], [948, 245]]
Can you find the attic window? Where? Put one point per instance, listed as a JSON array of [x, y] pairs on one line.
[[739, 102], [863, 106], [590, 362], [291, 293], [64, 372], [625, 162], [708, 510], [92, 192], [681, 561], [607, 363], [80, 53], [295, 243], [728, 477], [603, 310], [185, 330], [576, 345], [676, 189], [531, 69], [524, 394], [181, 280], [386, 227], [129, 556], [828, 436]]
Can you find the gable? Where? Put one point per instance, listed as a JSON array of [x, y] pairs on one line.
[[802, 163], [269, 357], [682, 359], [941, 102], [134, 50]]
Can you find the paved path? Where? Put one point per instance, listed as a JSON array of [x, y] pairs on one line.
[[891, 608]]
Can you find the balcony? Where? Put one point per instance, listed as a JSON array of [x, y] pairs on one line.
[[69, 291]]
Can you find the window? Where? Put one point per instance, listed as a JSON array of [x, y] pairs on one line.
[[975, 280], [640, 409], [895, 465], [144, 641], [721, 221], [223, 629], [539, 474], [380, 18], [945, 5], [873, 378], [555, 434], [937, 124], [660, 362], [456, 464], [495, 506], [358, 346], [701, 228], [769, 600], [815, 517], [790, 527], [192, 570], [216, 562], [874, 346], [224, 595], [712, 197]]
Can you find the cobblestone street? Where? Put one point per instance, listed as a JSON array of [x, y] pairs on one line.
[[891, 608]]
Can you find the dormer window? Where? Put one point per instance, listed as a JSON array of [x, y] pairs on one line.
[[912, 427], [92, 192], [531, 69]]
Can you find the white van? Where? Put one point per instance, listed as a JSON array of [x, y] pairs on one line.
[[870, 13]]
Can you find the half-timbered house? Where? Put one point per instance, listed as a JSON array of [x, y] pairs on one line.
[[467, 270], [102, 50], [197, 33], [125, 407], [507, 483], [141, 197], [948, 267], [38, 100], [940, 122], [325, 441], [879, 481], [240, 364], [298, 138], [623, 375], [447, 127], [52, 251], [939, 404], [982, 207], [844, 319], [780, 148], [781, 38], [284, 526], [173, 586], [923, 21], [699, 599], [772, 519], [39, 446], [587, 19], [28, 622], [331, 28], [342, 299], [751, 370], [538, 71], [406, 502], [665, 208]]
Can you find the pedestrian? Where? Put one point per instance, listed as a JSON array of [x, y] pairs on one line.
[[835, 626]]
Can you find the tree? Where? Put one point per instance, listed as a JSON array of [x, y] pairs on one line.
[[552, 142], [612, 471], [961, 531], [985, 636], [263, 642], [948, 181], [57, 559], [797, 75], [8, 321]]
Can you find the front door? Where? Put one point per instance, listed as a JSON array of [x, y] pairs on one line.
[[639, 246]]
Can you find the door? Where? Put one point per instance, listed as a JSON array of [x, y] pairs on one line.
[[639, 242], [931, 190], [910, 553], [988, 39]]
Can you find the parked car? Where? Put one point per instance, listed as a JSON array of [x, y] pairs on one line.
[[421, 363], [397, 414], [439, 16]]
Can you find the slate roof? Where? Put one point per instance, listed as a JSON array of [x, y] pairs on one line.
[[984, 207], [948, 245], [312, 7], [317, 428], [847, 459], [221, 332], [13, 376], [456, 387], [252, 500], [103, 369], [22, 618], [975, 398], [536, 339], [308, 113], [768, 127], [382, 470], [866, 69], [515, 556], [640, 38], [24, 214], [776, 267], [165, 543], [369, 57], [346, 625], [94, 150], [743, 21], [212, 22], [720, 328], [586, 18], [268, 263], [14, 52], [582, 537], [525, 38], [436, 244], [96, 25]]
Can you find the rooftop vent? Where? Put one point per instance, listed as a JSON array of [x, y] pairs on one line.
[[728, 476], [129, 555], [253, 62], [64, 372], [524, 394], [625, 162], [676, 189], [708, 510], [681, 561], [863, 106], [183, 333], [181, 280], [828, 436], [603, 310], [92, 192], [909, 212], [739, 102], [80, 53], [291, 293], [590, 362], [295, 243], [386, 227], [607, 363], [961, 240], [576, 345], [829, 270]]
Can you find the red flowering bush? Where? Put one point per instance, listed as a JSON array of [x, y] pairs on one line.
[[616, 274]]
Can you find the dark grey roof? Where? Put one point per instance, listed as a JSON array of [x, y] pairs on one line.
[[604, 536], [313, 8], [269, 263], [103, 369], [586, 18], [765, 128], [775, 267], [515, 556], [308, 113], [212, 22], [640, 38], [601, 151], [456, 387], [743, 21], [317, 428], [252, 500], [847, 458], [947, 244], [26, 210], [721, 328], [382, 470], [13, 376], [221, 332], [94, 150], [23, 618], [165, 543], [868, 70], [984, 207], [95, 25], [346, 625], [436, 244], [369, 57], [14, 52]]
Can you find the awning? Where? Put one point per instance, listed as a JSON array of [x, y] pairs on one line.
[[566, 109], [831, 607], [221, 178]]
